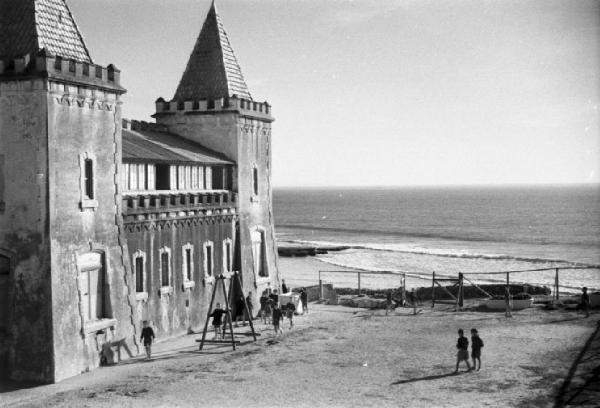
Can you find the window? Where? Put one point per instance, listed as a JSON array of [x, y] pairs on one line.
[[228, 255], [4, 276], [187, 268], [91, 266], [255, 181], [163, 177], [165, 269], [208, 259], [87, 164], [259, 252], [139, 265], [139, 274], [164, 263]]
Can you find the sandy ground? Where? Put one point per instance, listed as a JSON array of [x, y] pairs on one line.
[[341, 357]]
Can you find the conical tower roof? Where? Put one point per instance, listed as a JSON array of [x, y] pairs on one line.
[[27, 26], [212, 71]]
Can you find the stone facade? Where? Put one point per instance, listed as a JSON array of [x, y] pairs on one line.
[[87, 254]]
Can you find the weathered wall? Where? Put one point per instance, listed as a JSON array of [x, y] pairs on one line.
[[82, 123], [27, 341], [185, 307], [246, 141]]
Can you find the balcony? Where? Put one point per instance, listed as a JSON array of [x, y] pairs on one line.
[[144, 205]]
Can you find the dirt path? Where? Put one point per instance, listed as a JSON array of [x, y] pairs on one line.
[[338, 356]]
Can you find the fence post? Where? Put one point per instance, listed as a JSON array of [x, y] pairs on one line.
[[556, 286], [433, 290], [320, 287], [358, 282], [461, 296]]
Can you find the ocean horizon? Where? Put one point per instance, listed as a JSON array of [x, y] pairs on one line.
[[449, 229]]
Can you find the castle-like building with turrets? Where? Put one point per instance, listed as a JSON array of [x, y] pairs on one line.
[[107, 222]]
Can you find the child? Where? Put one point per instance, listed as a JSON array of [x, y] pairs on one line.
[[463, 350], [277, 317], [265, 311], [217, 316], [476, 345], [148, 337], [304, 300], [289, 313]]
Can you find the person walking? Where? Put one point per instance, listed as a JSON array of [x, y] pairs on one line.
[[148, 338], [463, 350], [476, 345], [277, 316]]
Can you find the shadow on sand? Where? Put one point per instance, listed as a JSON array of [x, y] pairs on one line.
[[582, 384], [9, 386], [428, 378]]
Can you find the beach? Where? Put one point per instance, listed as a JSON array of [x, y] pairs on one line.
[[337, 356]]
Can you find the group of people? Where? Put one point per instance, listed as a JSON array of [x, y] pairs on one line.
[[271, 312]]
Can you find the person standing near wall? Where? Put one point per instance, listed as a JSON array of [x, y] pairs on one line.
[[250, 306]]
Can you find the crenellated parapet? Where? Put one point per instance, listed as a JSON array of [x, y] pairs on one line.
[[245, 107], [61, 69], [137, 125]]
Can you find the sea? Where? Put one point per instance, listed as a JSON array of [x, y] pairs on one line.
[[482, 232]]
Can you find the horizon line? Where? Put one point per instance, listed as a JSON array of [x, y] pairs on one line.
[[382, 186]]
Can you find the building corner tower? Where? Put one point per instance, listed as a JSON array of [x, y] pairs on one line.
[[62, 269], [213, 106]]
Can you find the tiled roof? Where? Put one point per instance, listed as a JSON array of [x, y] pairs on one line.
[[162, 147], [27, 26], [212, 71]]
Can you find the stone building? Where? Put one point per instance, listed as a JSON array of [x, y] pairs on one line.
[[105, 222]]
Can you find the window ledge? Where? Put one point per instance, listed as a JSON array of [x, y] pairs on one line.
[[188, 284], [166, 290], [208, 279], [141, 296], [100, 324], [254, 199], [85, 204], [263, 279]]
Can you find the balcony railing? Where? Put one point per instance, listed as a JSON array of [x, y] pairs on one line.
[[146, 202]]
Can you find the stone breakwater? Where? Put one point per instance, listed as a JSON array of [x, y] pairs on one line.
[[286, 250]]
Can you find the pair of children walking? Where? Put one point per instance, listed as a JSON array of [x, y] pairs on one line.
[[463, 349]]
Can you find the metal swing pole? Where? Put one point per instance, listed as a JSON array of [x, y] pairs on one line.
[[222, 278], [212, 299], [237, 276]]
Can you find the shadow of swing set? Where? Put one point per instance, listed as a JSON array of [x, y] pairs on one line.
[[220, 283]]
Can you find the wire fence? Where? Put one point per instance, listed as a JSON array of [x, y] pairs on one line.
[[552, 282]]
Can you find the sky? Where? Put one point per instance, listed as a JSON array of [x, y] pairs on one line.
[[386, 92]]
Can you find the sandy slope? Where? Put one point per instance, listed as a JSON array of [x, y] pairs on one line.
[[337, 356]]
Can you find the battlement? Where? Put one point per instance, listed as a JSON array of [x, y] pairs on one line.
[[64, 69], [210, 106], [137, 125]]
